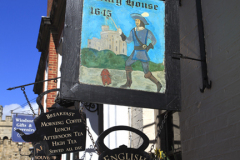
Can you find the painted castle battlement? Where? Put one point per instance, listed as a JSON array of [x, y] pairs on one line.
[[110, 40]]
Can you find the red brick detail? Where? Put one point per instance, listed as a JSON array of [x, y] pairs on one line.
[[52, 71], [49, 7]]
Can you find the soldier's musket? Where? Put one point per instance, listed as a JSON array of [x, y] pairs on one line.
[[113, 22]]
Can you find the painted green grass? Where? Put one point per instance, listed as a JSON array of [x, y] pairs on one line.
[[92, 58]]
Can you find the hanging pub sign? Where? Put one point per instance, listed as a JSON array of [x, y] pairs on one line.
[[39, 153], [59, 131], [24, 123], [123, 152], [119, 52]]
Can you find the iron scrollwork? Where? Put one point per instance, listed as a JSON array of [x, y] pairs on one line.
[[91, 107]]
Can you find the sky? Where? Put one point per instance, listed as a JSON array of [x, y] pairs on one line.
[[19, 57], [120, 13]]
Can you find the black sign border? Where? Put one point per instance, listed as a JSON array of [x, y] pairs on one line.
[[71, 89]]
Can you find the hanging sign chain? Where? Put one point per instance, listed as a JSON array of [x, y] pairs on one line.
[[159, 131], [89, 134], [23, 89], [84, 154], [90, 155]]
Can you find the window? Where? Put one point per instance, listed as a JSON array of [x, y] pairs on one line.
[[116, 48], [109, 46], [5, 137]]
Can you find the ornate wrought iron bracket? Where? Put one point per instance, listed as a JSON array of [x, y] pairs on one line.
[[91, 107], [54, 79], [23, 89], [103, 148], [39, 99]]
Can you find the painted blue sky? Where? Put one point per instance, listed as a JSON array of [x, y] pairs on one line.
[[121, 16], [19, 57]]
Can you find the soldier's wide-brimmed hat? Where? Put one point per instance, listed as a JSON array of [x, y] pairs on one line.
[[139, 16]]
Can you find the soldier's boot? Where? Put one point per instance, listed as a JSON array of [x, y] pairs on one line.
[[129, 77], [154, 80]]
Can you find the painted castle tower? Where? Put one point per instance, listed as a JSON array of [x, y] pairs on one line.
[[109, 40]]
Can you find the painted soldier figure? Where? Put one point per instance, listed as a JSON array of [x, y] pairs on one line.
[[139, 35]]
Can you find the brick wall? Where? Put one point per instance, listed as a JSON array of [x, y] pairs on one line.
[[49, 6], [210, 123], [52, 72]]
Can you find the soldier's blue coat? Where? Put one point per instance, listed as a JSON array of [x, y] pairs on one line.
[[143, 36]]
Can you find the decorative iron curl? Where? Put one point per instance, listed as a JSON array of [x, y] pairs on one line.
[[91, 107], [39, 98]]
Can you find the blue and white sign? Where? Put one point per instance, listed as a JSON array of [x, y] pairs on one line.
[[25, 123]]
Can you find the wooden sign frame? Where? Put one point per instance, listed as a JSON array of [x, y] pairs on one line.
[[72, 89]]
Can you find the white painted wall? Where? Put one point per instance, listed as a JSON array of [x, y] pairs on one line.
[[59, 71], [92, 123], [114, 116], [64, 157], [144, 120], [210, 123], [45, 87], [149, 125]]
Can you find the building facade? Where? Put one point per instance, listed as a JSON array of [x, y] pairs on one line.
[[9, 150], [210, 120], [5, 126]]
